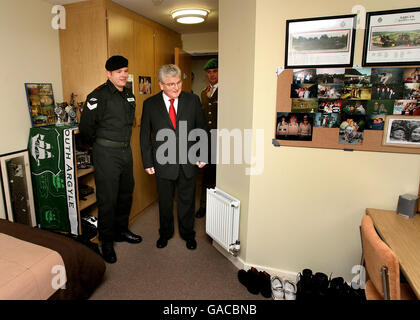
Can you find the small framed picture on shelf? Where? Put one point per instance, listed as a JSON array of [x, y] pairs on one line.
[[402, 131], [17, 188], [392, 38], [320, 42], [41, 104]]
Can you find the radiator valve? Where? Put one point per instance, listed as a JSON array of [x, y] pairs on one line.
[[235, 248]]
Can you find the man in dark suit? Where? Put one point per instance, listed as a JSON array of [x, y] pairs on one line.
[[173, 114]]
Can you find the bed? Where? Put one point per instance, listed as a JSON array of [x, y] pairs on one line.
[[31, 257]]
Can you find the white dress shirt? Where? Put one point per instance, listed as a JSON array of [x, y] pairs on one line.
[[168, 103]]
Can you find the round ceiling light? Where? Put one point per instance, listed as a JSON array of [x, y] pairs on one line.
[[190, 16]]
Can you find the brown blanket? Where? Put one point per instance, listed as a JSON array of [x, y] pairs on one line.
[[84, 268]]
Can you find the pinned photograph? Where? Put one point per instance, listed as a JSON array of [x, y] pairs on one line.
[[351, 129], [357, 92], [330, 91], [357, 76], [301, 76], [386, 76], [326, 120], [294, 126], [411, 91], [305, 105], [380, 107], [402, 131], [411, 75], [388, 92], [304, 91], [329, 105], [330, 75], [357, 107], [406, 107], [375, 122]]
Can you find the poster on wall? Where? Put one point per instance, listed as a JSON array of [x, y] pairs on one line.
[[320, 42], [392, 38], [41, 104]]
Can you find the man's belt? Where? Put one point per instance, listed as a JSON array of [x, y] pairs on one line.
[[112, 144]]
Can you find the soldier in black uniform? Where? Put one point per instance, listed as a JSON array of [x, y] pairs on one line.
[[209, 103], [105, 124]]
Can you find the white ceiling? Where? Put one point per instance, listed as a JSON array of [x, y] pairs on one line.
[[159, 11]]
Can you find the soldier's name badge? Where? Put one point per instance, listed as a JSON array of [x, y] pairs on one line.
[[130, 99], [92, 106]]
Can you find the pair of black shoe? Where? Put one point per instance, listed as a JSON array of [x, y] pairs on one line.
[[163, 242], [312, 286], [108, 252], [256, 281], [319, 287]]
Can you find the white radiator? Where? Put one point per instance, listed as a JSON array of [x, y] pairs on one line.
[[222, 219]]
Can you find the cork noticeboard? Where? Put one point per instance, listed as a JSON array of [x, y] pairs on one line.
[[327, 137]]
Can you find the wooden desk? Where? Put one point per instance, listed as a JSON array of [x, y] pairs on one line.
[[402, 235]]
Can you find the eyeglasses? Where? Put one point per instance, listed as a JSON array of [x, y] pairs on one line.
[[173, 84]]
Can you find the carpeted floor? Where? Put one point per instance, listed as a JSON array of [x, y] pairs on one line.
[[144, 272]]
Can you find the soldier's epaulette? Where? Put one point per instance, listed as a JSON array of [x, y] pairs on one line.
[[101, 86]]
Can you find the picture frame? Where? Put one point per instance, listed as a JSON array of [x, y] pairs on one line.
[[41, 104], [17, 187], [402, 131], [392, 38], [320, 42]]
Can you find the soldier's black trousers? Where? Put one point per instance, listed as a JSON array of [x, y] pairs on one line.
[[114, 189]]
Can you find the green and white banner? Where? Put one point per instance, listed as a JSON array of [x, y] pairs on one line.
[[52, 168]]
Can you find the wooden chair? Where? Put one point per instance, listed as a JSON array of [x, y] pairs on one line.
[[382, 267]]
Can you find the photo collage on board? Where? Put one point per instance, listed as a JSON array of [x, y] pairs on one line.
[[353, 100]]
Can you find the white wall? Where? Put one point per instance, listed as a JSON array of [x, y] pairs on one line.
[[30, 53], [305, 209], [199, 43]]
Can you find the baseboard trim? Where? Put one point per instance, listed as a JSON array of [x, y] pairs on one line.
[[240, 264]]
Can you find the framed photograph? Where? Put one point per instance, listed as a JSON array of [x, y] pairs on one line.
[[17, 188], [41, 104], [402, 131], [392, 38], [320, 42]]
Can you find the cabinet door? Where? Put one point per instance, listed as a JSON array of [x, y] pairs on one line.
[[120, 36]]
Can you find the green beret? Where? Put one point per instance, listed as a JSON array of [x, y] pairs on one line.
[[115, 63], [211, 64]]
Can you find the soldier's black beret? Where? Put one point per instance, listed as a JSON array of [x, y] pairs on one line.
[[115, 63]]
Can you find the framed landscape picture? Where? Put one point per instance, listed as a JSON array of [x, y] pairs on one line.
[[41, 104], [402, 131], [320, 42], [392, 38], [17, 187]]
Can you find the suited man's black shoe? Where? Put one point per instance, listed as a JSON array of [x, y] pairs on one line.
[[200, 213], [108, 253], [162, 242], [129, 237], [191, 244]]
